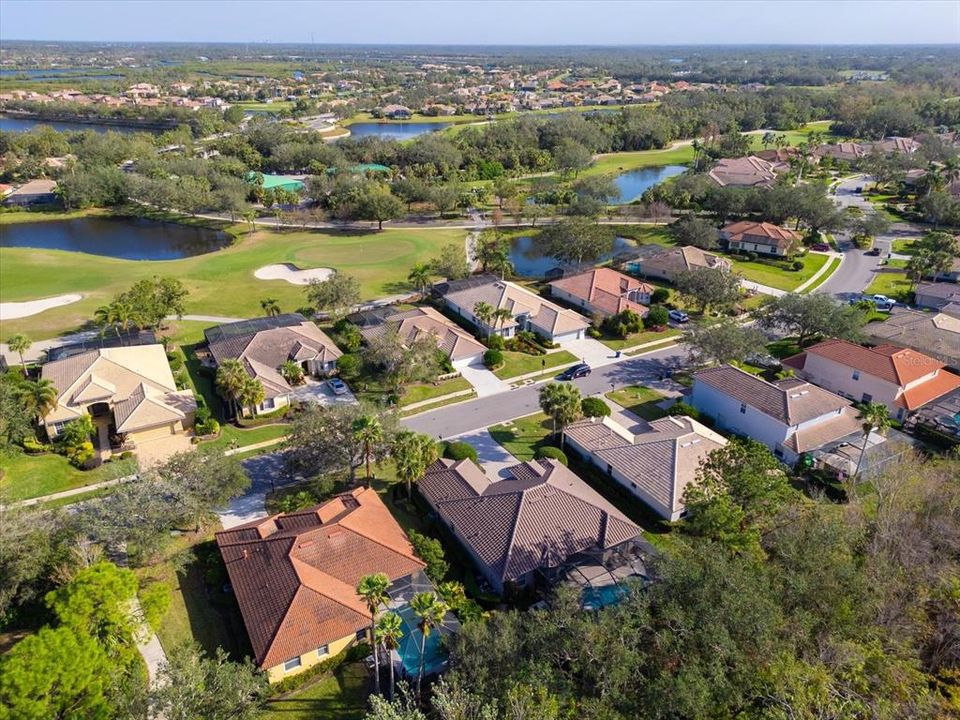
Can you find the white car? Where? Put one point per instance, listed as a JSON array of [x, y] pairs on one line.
[[882, 302], [678, 316]]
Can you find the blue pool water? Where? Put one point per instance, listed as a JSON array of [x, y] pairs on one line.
[[601, 597], [434, 654]]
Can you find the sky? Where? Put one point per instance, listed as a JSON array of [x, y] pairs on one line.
[[491, 22]]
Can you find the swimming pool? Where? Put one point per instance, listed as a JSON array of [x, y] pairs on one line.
[[434, 652], [594, 598]]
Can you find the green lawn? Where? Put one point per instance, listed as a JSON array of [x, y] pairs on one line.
[[247, 436], [426, 391], [613, 163], [517, 363], [645, 234], [29, 476], [220, 283], [523, 436], [641, 401], [273, 107], [775, 277], [905, 246], [892, 284], [640, 338], [341, 695]]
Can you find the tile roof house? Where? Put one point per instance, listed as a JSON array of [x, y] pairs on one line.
[[749, 171], [295, 576], [528, 311], [936, 334], [263, 345], [900, 378], [789, 416], [844, 151], [460, 346], [32, 192], [527, 526], [604, 291], [937, 295], [894, 144], [760, 237], [666, 262], [655, 465], [128, 391]]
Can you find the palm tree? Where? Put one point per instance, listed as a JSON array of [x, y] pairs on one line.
[[431, 611], [367, 431], [20, 343], [389, 633], [767, 138], [231, 378], [252, 394], [292, 372], [501, 315], [270, 306], [41, 396], [697, 150], [561, 401], [875, 418], [373, 589], [412, 453], [419, 277], [483, 311]]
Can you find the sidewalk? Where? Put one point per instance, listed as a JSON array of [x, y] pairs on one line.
[[72, 492]]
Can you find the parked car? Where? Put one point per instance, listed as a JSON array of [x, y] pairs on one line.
[[678, 316], [575, 371], [883, 303], [820, 247], [859, 189], [337, 386], [764, 361], [873, 251]]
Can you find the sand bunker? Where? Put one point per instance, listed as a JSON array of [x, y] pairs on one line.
[[292, 274], [15, 310]]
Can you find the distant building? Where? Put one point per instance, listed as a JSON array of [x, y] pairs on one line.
[[665, 263], [934, 333], [748, 171], [396, 112], [34, 192], [760, 237], [604, 292]]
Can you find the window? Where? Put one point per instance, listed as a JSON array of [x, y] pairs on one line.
[[778, 453], [867, 397], [323, 650], [633, 485], [362, 634], [743, 408], [609, 469], [856, 374], [291, 664]]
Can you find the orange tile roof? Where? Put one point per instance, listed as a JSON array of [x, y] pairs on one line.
[[776, 235], [892, 363], [607, 289], [294, 574], [940, 385]]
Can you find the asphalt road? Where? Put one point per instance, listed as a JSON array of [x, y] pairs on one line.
[[460, 418]]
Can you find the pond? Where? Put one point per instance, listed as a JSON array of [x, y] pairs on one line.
[[529, 257], [126, 238], [395, 131], [632, 184], [9, 123]]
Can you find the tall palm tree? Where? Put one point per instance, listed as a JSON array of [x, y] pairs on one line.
[[412, 454], [875, 417], [373, 590], [270, 306], [767, 139], [420, 276], [501, 315], [389, 633], [20, 343], [252, 394], [230, 380], [561, 401], [368, 431], [41, 396], [431, 611], [483, 311]]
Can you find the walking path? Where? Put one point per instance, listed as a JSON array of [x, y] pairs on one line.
[[72, 492], [827, 267]]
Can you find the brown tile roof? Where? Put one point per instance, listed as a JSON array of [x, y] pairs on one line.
[[830, 430], [453, 340], [761, 233], [294, 574], [744, 172], [263, 352], [503, 294], [790, 401], [935, 333], [607, 290], [661, 461], [674, 260], [538, 517], [897, 365]]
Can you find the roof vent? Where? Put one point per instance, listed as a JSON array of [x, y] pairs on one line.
[[306, 543], [799, 394]]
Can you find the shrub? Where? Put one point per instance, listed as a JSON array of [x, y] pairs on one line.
[[176, 361], [126, 454], [682, 408], [349, 366], [797, 265], [207, 427], [660, 296], [202, 414], [552, 453], [352, 654], [624, 323], [493, 359], [460, 451], [751, 256], [155, 601], [594, 333], [496, 342], [33, 446], [657, 317], [594, 407], [430, 551], [349, 338]]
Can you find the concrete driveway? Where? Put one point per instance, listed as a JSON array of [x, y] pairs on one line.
[[593, 352], [484, 382], [490, 453], [318, 391], [265, 473]]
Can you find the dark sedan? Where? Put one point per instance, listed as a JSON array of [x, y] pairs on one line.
[[574, 372]]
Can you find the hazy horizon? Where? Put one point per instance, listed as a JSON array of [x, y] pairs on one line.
[[487, 24]]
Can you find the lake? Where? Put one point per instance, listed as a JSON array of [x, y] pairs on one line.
[[126, 238], [22, 124], [529, 260], [632, 184], [395, 131]]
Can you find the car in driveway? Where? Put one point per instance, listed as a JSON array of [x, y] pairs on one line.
[[575, 371], [873, 251], [337, 386], [820, 247], [881, 302], [678, 316]]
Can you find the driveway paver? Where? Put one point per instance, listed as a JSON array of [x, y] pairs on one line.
[[484, 382], [491, 454]]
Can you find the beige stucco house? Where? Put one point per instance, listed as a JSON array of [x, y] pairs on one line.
[[128, 391]]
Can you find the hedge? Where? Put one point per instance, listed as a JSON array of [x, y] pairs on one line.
[[493, 359], [460, 451], [594, 407], [552, 453], [351, 654]]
